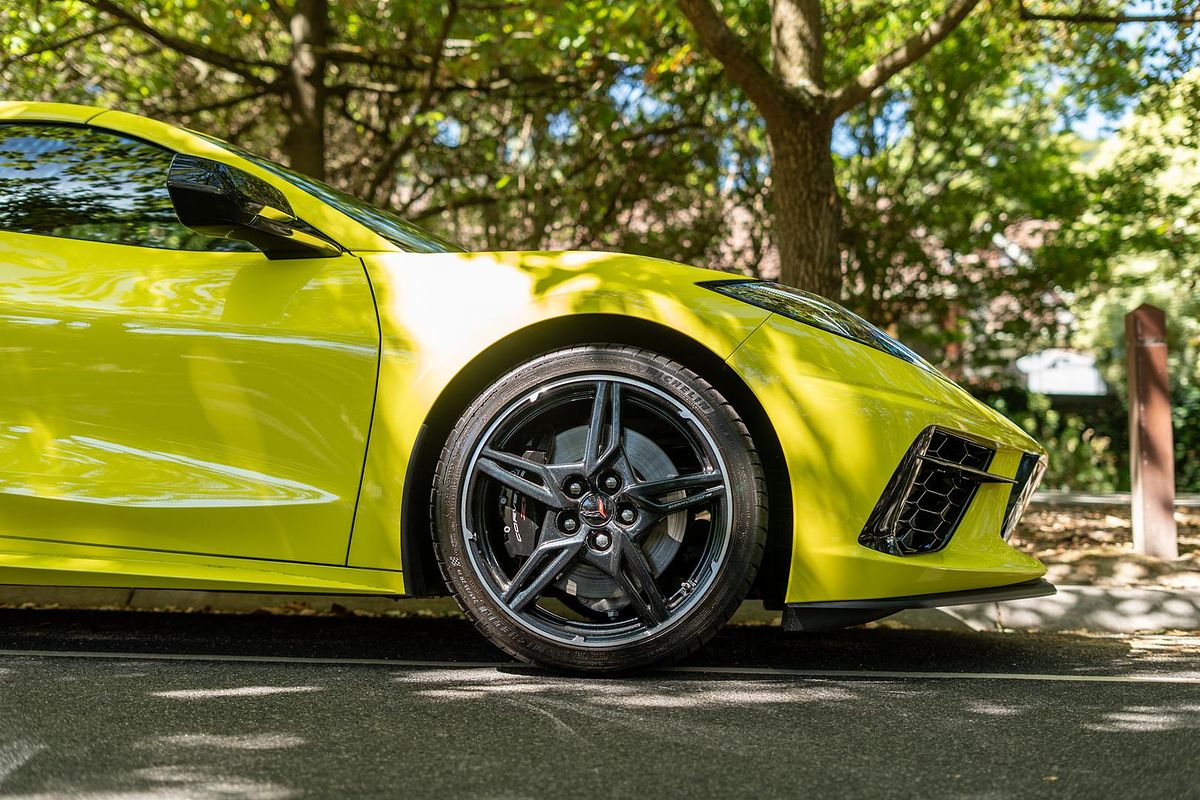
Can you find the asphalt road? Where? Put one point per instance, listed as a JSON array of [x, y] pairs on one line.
[[121, 704]]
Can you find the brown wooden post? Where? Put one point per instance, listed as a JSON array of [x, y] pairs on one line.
[[1151, 445]]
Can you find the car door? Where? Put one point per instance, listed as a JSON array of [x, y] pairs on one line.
[[160, 389]]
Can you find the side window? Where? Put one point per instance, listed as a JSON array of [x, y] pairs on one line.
[[81, 183]]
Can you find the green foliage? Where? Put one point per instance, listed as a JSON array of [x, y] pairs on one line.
[[1149, 226], [973, 216], [960, 177], [1080, 457]]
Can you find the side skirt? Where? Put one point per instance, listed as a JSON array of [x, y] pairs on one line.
[[33, 562]]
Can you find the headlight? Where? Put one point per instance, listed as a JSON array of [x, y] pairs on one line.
[[814, 310]]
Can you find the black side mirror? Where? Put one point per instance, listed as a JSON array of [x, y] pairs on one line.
[[215, 199]]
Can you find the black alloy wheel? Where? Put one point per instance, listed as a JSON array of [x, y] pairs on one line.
[[599, 508]]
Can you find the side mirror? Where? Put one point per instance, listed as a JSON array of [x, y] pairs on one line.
[[215, 199]]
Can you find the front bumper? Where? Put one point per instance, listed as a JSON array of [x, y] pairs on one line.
[[846, 415]]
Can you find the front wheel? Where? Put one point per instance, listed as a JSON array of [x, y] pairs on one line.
[[599, 508]]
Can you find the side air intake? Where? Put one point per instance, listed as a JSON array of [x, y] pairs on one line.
[[929, 493]]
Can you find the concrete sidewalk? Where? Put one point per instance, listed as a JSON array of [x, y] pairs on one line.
[[1057, 498], [1074, 608]]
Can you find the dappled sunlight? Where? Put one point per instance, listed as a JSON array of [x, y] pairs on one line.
[[440, 312], [16, 754], [292, 723], [847, 413], [1127, 610], [240, 691], [172, 782], [991, 709], [158, 382], [244, 741], [479, 683], [1148, 719]]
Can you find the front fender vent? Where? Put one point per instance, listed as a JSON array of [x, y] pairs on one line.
[[929, 493]]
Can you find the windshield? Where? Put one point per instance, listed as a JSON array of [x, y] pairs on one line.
[[391, 227]]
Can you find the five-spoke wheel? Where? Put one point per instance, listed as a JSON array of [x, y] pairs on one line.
[[599, 508]]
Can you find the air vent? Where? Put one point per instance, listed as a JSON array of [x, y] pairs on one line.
[[929, 493], [1029, 475]]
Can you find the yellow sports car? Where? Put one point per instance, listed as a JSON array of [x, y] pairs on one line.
[[221, 374]]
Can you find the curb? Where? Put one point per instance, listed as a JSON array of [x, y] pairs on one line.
[[1091, 609], [1061, 498]]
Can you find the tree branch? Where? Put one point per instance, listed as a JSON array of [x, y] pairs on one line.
[[58, 44], [742, 66], [1187, 18], [186, 47], [282, 15], [353, 54], [486, 197], [369, 87], [911, 51], [389, 161], [227, 103]]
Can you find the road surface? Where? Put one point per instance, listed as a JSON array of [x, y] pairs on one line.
[[154, 705]]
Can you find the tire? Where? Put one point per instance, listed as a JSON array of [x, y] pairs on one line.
[[598, 509]]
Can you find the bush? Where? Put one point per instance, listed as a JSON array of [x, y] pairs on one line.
[[1082, 458], [1186, 406]]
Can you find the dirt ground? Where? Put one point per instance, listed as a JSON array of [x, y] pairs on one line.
[[1094, 545]]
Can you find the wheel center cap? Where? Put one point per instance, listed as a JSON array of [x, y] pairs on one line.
[[595, 509]]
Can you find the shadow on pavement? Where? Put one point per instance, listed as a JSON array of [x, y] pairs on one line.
[[455, 640]]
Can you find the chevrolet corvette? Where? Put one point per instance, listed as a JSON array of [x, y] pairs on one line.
[[221, 374]]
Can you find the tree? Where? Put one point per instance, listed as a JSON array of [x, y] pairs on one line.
[[507, 126], [959, 179], [1147, 218], [806, 64], [800, 105], [304, 67]]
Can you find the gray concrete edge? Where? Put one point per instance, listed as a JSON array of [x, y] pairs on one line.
[[1091, 609]]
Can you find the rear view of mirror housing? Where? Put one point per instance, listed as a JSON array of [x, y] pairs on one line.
[[218, 200]]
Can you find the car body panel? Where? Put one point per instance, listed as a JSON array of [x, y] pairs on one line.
[[196, 402], [232, 405], [42, 563], [847, 410], [70, 113], [439, 311]]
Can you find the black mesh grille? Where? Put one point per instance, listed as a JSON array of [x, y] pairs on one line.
[[934, 508], [960, 451], [927, 497]]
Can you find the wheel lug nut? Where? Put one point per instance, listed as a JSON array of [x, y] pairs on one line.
[[627, 515], [568, 524], [574, 487], [611, 483], [601, 540]]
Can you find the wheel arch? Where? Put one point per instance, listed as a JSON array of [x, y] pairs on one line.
[[421, 575]]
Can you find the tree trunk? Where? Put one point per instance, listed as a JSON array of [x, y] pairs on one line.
[[304, 142], [807, 210], [804, 195]]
